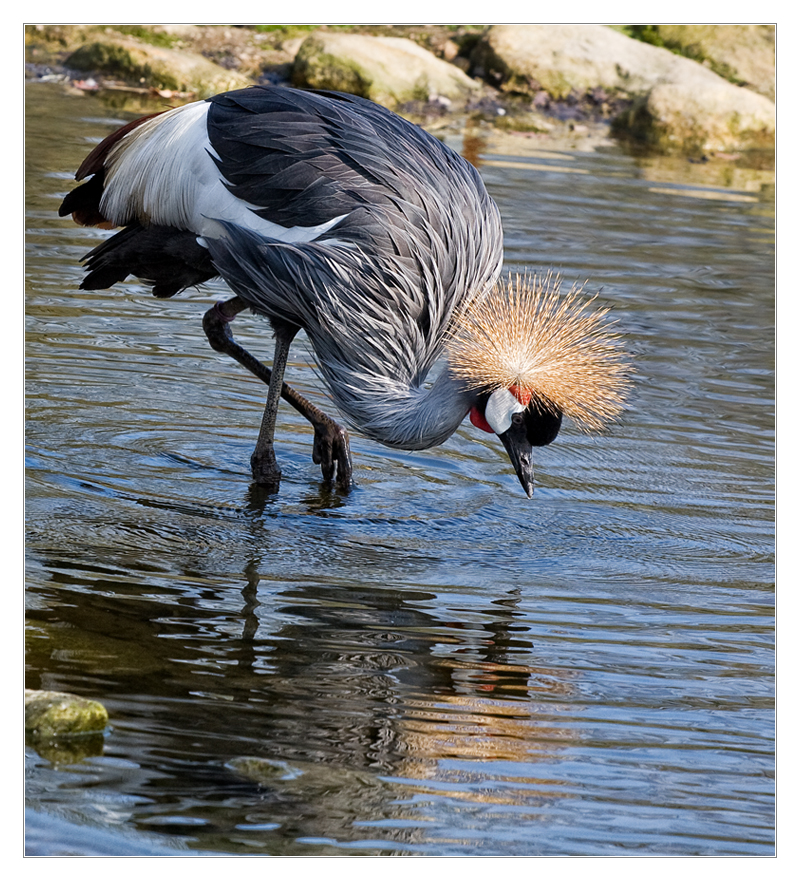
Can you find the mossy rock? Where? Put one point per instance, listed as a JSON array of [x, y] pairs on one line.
[[55, 714], [676, 104], [159, 67], [681, 117], [389, 70], [742, 54], [324, 70], [117, 60]]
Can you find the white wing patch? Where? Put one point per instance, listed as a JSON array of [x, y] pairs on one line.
[[163, 172]]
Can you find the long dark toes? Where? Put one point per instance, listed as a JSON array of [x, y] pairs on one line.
[[344, 462], [321, 455], [332, 453]]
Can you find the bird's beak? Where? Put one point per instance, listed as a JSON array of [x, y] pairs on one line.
[[519, 449]]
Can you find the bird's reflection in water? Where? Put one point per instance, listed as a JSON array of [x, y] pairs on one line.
[[265, 501], [321, 683], [376, 681]]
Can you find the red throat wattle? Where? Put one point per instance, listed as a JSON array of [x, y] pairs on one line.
[[477, 418]]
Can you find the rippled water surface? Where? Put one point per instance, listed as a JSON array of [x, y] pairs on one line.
[[432, 664]]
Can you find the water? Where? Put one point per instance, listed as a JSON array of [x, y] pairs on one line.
[[431, 664]]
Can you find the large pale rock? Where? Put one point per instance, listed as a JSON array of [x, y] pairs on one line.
[[741, 53], [389, 70], [678, 103], [708, 117], [563, 58], [156, 66]]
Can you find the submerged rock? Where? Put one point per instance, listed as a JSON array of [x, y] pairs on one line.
[[55, 714], [389, 70]]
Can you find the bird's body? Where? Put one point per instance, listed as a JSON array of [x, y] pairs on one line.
[[321, 211]]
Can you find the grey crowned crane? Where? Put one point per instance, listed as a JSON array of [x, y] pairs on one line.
[[326, 212]]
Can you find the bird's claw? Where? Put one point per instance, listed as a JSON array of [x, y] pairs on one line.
[[332, 453]]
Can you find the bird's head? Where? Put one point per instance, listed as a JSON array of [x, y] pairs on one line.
[[533, 356]]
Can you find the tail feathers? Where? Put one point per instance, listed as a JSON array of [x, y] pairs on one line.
[[169, 259], [83, 203]]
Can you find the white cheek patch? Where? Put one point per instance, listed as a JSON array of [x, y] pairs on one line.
[[502, 405]]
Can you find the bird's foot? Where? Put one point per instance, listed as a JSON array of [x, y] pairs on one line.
[[332, 453], [265, 468]]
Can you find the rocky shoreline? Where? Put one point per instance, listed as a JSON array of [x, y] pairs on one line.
[[693, 90]]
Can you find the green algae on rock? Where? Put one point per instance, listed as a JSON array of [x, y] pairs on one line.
[[51, 714]]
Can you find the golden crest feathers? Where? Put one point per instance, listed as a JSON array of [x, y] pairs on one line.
[[524, 333]]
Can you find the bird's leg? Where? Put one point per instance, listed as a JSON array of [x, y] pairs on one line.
[[331, 443], [263, 464]]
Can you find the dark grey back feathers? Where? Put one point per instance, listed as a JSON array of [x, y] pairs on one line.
[[377, 291]]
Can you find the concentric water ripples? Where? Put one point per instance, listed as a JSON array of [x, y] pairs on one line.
[[432, 663]]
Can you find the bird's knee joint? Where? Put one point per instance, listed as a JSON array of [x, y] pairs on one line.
[[217, 329]]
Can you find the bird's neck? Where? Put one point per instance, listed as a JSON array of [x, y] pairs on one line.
[[410, 417]]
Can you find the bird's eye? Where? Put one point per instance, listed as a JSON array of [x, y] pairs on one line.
[[518, 418]]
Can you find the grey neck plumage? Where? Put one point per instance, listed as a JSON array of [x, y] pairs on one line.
[[406, 417]]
